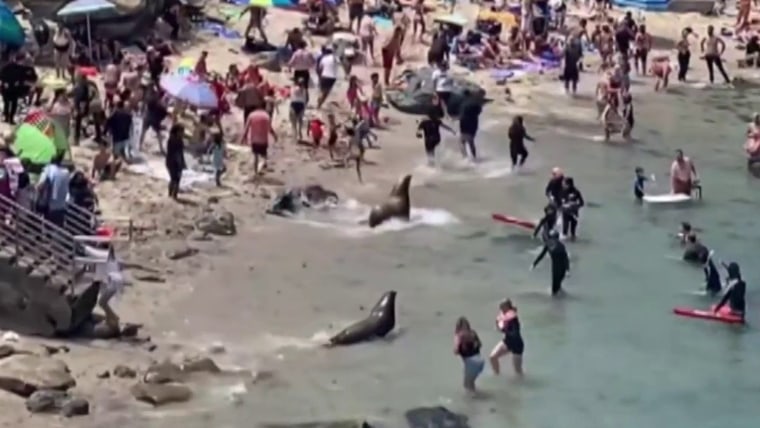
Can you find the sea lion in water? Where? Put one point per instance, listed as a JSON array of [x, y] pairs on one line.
[[293, 199], [397, 205], [380, 321]]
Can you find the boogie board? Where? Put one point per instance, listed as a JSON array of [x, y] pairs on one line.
[[721, 316], [514, 221], [668, 198]]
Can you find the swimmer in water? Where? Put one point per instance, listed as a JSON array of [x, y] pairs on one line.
[[734, 292], [684, 232], [508, 323], [467, 346], [639, 183], [695, 251], [547, 223], [560, 261], [572, 202]]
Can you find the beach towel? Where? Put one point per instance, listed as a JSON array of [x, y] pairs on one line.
[[220, 30]]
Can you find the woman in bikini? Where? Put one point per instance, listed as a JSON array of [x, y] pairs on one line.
[[606, 45], [643, 44], [62, 42]]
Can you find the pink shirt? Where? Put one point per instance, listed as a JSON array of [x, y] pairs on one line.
[[257, 128], [682, 171]]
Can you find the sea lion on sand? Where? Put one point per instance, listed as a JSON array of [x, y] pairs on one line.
[[380, 321], [397, 205], [293, 199]]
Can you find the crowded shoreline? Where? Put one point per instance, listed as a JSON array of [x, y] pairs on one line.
[[146, 202]]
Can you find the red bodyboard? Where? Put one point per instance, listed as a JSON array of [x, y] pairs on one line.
[[514, 221]]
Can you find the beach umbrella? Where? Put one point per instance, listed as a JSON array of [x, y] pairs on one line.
[[186, 66], [39, 138], [87, 8], [190, 89], [285, 4], [11, 32]]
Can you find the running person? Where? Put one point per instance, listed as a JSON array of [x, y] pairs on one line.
[[430, 131], [517, 137], [508, 323], [547, 223]]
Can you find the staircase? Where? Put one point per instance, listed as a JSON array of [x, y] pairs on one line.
[[38, 272]]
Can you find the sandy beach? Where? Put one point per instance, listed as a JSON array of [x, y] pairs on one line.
[[306, 285]]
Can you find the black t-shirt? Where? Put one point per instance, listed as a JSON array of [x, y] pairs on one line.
[[431, 129], [623, 38], [119, 125], [469, 115], [12, 75]]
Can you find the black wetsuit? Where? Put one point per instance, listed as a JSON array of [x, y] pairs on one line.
[[517, 150], [545, 226], [572, 202], [554, 190], [712, 278], [512, 337], [560, 262], [696, 253], [734, 297]]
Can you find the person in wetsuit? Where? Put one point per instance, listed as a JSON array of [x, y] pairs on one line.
[[695, 251], [509, 324], [560, 260], [734, 294], [572, 202], [517, 137], [553, 189], [547, 223], [712, 276], [467, 346]]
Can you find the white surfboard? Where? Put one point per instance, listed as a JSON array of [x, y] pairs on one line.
[[668, 198]]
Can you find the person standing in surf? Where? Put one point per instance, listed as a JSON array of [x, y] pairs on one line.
[[570, 70], [683, 175], [560, 260], [734, 292], [430, 131], [467, 346], [469, 117], [517, 136], [712, 276], [639, 182], [509, 324], [547, 223], [553, 189], [572, 202]]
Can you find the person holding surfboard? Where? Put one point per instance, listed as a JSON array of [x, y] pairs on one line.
[[683, 175], [560, 260], [734, 292]]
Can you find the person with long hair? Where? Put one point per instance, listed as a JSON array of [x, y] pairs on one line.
[[175, 158], [512, 343], [467, 346]]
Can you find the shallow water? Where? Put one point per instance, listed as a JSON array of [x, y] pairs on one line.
[[611, 354]]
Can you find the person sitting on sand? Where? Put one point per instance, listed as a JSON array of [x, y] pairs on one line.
[[104, 165]]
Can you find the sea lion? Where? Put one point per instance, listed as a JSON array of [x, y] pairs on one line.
[[397, 205], [380, 321], [293, 199]]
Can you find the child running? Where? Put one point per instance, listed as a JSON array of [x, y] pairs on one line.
[[429, 130]]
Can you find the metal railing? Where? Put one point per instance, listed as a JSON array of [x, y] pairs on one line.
[[80, 221], [35, 244]]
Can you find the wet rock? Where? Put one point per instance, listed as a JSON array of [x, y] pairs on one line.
[[200, 365], [75, 407], [46, 401], [124, 372], [163, 372], [435, 417], [105, 374], [6, 350], [150, 278], [216, 348], [25, 374], [160, 394], [217, 221], [181, 253]]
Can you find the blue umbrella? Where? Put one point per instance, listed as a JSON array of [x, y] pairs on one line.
[[87, 8], [11, 32], [190, 89]]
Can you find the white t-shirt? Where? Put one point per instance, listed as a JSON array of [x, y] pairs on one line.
[[442, 81], [329, 67]]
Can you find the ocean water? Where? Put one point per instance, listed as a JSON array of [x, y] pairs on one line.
[[610, 354]]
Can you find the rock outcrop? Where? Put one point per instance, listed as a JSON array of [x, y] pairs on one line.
[[161, 394], [25, 374]]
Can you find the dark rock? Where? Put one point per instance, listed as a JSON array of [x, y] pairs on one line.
[[6, 350], [46, 401], [124, 372], [75, 407], [181, 253], [163, 372], [200, 365], [130, 330], [105, 374], [25, 374], [435, 417], [159, 395], [150, 278], [216, 221], [326, 424]]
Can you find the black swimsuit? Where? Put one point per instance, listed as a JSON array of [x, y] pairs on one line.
[[512, 338], [469, 346]]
